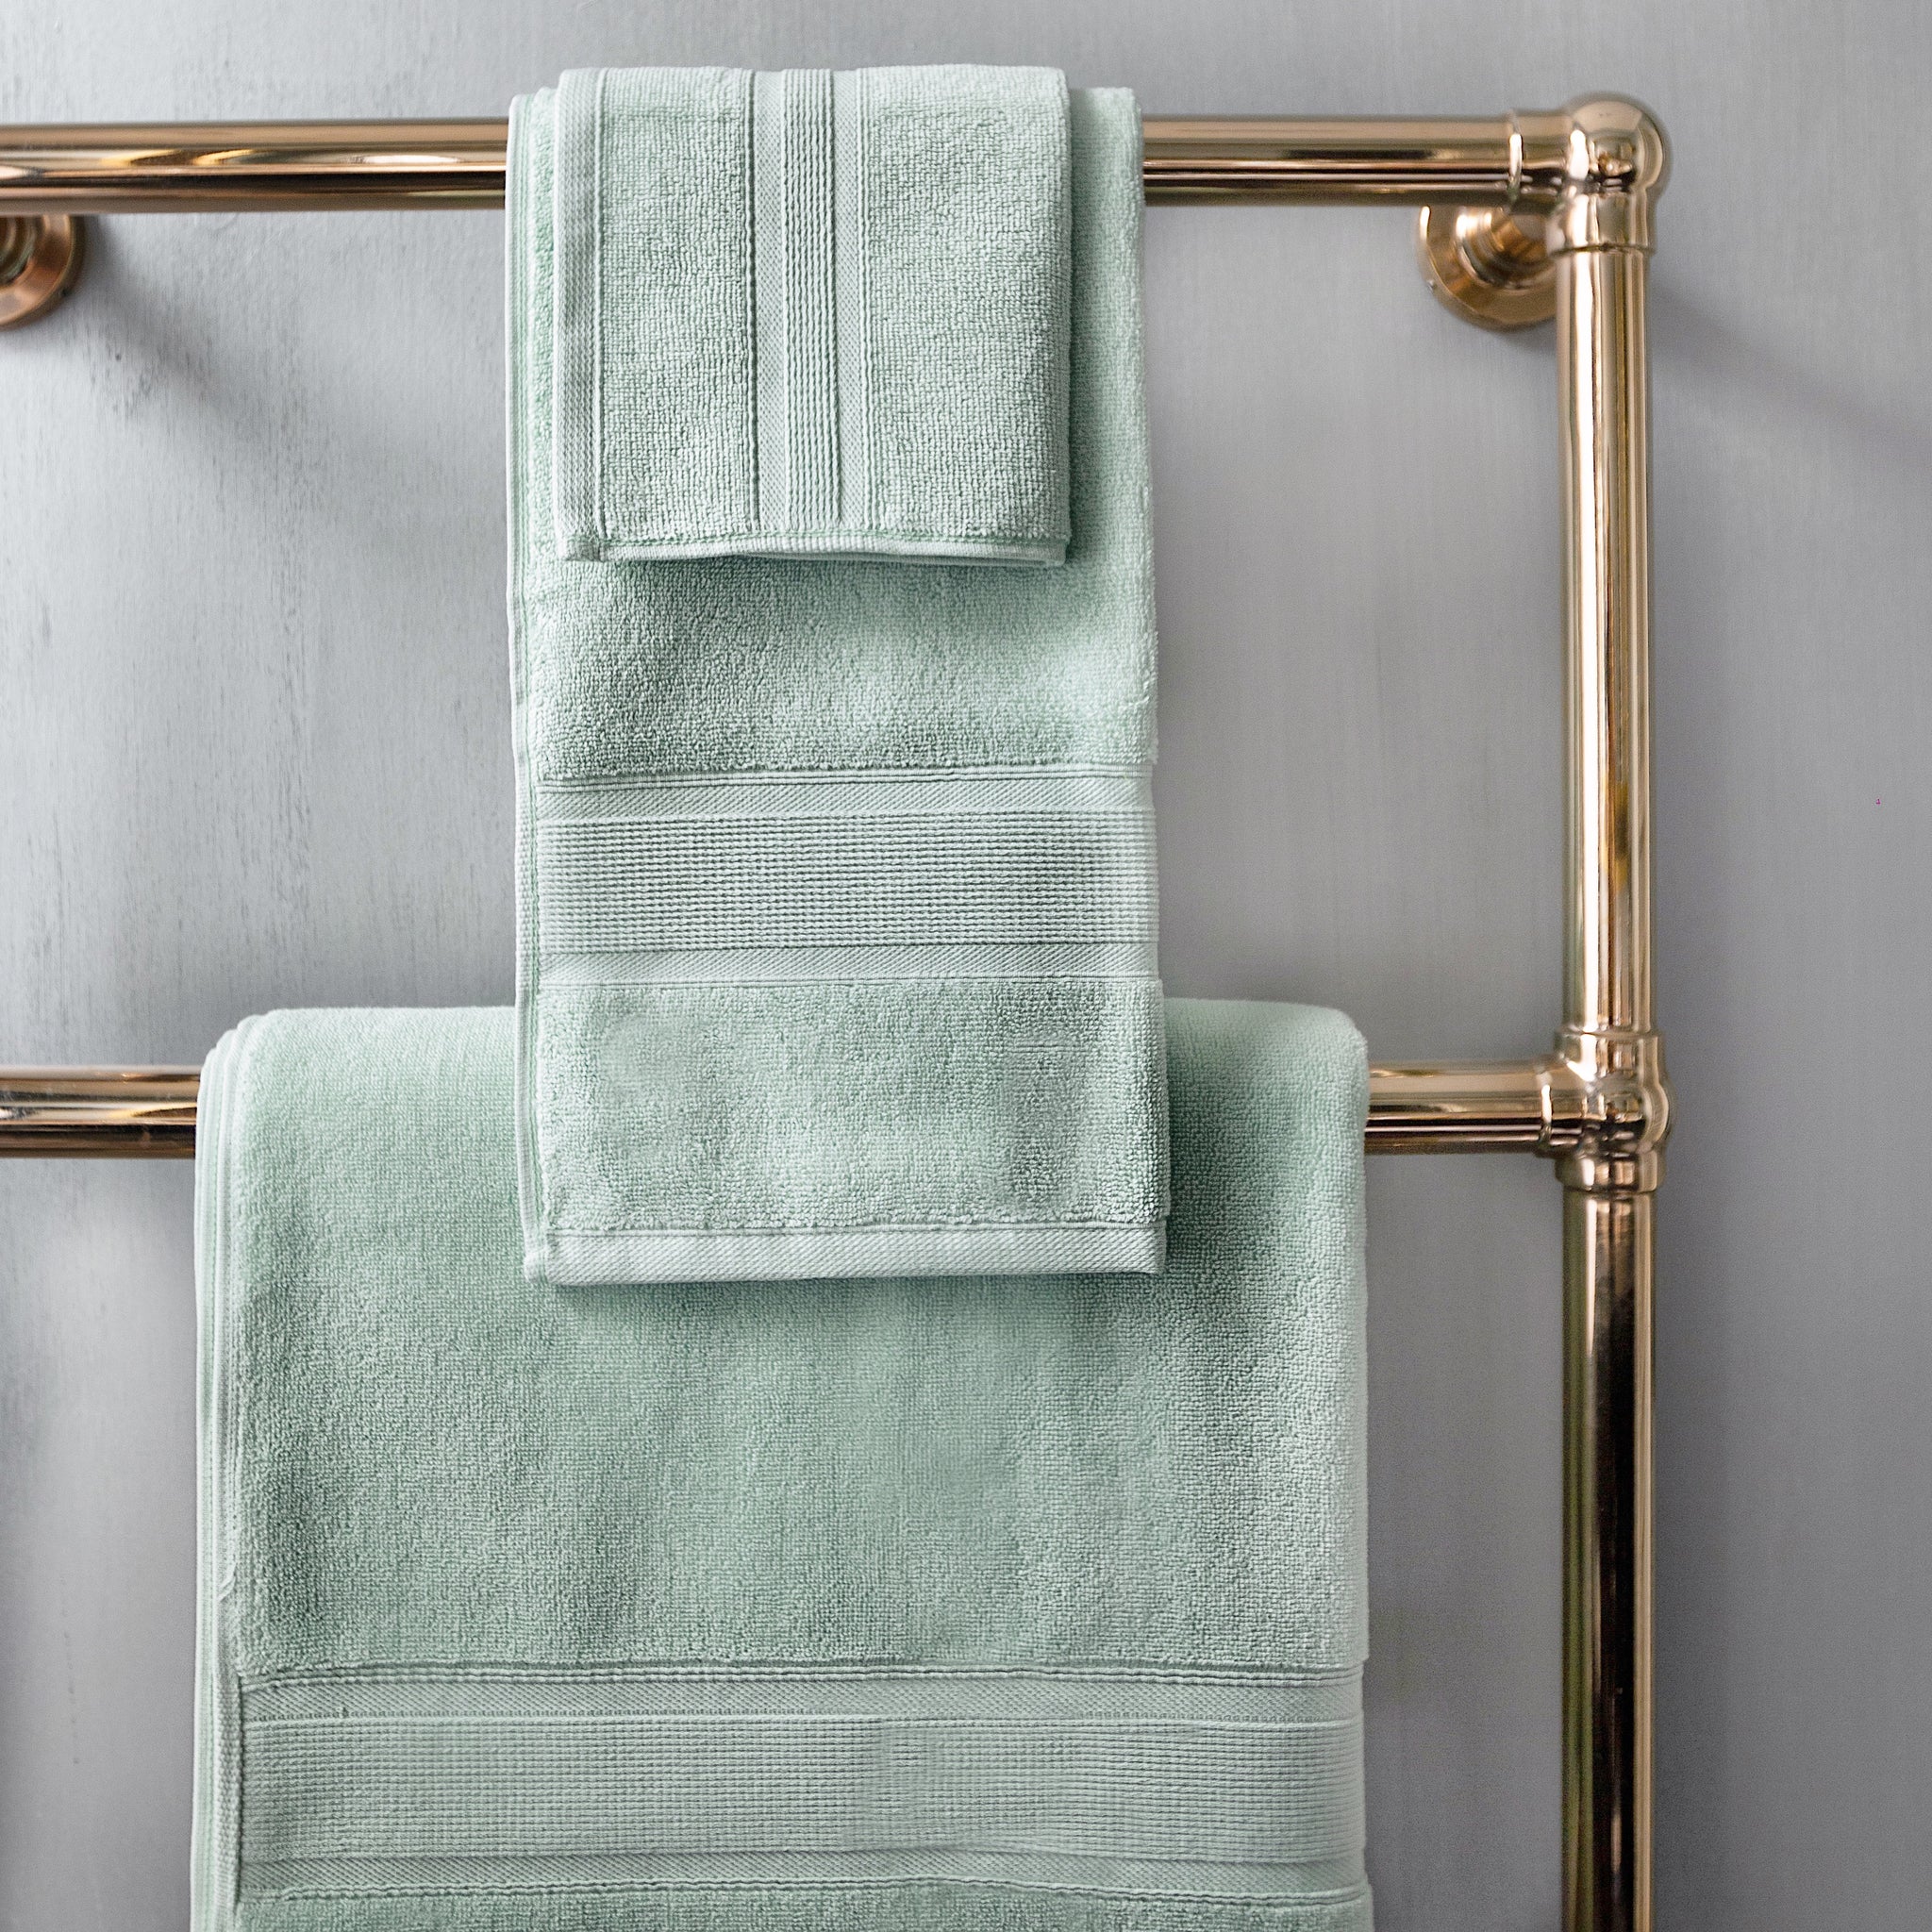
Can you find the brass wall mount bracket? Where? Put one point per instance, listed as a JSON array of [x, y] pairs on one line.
[[39, 258], [1491, 266]]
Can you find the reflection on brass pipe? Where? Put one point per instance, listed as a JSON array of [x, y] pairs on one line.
[[1468, 163], [129, 1112], [244, 165], [148, 1112], [375, 165]]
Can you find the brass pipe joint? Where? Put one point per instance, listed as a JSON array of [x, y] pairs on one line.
[[1606, 1110], [1584, 176], [1601, 162]]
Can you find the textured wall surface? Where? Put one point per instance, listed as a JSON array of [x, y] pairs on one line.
[[254, 751]]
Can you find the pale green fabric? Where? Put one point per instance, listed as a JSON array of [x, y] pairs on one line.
[[778, 1580], [807, 314], [938, 1119], [836, 891]]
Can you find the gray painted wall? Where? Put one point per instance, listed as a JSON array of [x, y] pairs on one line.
[[253, 752]]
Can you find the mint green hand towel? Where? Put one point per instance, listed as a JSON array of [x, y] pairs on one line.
[[836, 893], [944, 1605], [810, 314]]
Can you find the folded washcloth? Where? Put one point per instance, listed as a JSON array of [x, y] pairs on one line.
[[959, 1605], [835, 880], [811, 313]]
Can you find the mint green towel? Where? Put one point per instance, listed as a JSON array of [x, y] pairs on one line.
[[836, 891], [809, 313], [958, 1606]]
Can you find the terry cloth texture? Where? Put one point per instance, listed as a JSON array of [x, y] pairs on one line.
[[836, 889], [967, 1605], [810, 314]]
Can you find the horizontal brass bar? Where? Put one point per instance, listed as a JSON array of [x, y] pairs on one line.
[[132, 1112], [147, 1113], [238, 166], [1473, 1107], [230, 166], [1473, 162]]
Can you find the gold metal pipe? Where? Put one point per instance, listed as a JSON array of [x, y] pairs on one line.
[[1600, 236], [379, 164], [1601, 354], [51, 176], [148, 1112], [129, 1112], [1475, 1106], [1609, 1033], [247, 164], [1466, 162], [1608, 1245]]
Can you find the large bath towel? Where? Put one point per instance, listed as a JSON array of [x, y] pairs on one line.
[[835, 880], [967, 1605]]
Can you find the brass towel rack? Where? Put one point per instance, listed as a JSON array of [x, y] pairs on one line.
[[1525, 218]]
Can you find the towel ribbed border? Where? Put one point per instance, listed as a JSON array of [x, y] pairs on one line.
[[1027, 857], [1150, 1783], [588, 1259]]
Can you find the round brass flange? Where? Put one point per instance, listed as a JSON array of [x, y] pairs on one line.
[[40, 257], [1490, 265]]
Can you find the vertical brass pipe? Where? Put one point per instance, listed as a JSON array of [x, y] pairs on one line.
[[1601, 370], [1606, 1561], [1614, 162]]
